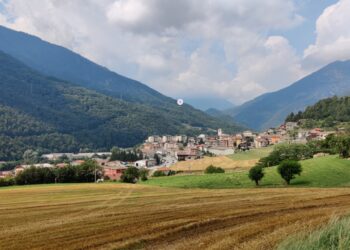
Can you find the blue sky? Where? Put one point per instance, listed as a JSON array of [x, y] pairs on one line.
[[230, 50], [303, 35]]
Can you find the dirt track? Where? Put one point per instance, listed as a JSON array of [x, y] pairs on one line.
[[123, 216]]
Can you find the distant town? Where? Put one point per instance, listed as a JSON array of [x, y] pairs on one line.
[[160, 152]]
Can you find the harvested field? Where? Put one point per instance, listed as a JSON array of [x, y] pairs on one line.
[[219, 161], [118, 216]]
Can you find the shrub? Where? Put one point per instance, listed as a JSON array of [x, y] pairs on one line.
[[256, 174], [214, 170], [144, 174], [131, 175], [158, 173], [289, 169], [7, 181]]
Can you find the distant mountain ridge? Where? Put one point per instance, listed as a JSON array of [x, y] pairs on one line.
[[56, 61], [270, 110], [53, 60]]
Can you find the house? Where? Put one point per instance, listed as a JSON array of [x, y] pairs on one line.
[[4, 174], [114, 173], [188, 154], [77, 162], [291, 125], [247, 133], [274, 139], [145, 163], [61, 165], [221, 150], [261, 142], [114, 170]]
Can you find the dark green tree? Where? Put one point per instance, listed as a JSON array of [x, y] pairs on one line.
[[289, 169], [131, 175], [256, 174]]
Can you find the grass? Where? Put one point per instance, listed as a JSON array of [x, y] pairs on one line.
[[252, 154], [240, 160], [121, 216], [334, 236], [319, 172]]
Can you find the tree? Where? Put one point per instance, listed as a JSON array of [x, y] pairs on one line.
[[289, 169], [143, 174], [256, 174], [30, 156], [131, 175], [214, 170], [88, 171], [158, 173]]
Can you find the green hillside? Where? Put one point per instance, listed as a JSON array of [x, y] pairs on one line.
[[325, 113], [48, 114], [320, 172]]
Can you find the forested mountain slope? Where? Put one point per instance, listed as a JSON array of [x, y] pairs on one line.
[[49, 114]]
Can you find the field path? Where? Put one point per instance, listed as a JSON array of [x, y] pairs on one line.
[[117, 216]]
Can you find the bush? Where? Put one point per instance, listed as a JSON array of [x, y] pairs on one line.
[[289, 169], [214, 170], [158, 173], [256, 174], [131, 175], [144, 174], [7, 181]]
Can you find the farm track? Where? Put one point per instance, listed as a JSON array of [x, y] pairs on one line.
[[112, 216]]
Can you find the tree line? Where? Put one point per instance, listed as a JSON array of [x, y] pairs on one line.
[[86, 172]]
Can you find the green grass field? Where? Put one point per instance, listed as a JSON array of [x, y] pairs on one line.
[[252, 154], [320, 172]]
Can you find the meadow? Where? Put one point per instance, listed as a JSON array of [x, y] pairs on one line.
[[121, 216], [327, 171]]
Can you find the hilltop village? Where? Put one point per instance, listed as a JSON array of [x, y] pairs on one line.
[[172, 149]]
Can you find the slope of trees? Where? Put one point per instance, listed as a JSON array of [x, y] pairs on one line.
[[47, 114], [327, 112]]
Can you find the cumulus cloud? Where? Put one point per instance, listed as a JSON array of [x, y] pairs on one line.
[[333, 36], [181, 48]]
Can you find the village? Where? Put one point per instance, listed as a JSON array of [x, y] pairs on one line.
[[159, 153]]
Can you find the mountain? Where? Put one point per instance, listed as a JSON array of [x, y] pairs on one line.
[[49, 114], [205, 103], [57, 61], [270, 110]]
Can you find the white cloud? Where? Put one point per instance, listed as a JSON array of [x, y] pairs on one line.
[[333, 36], [181, 48]]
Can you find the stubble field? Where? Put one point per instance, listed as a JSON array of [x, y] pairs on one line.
[[118, 216]]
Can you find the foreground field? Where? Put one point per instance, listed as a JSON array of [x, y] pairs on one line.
[[240, 160], [319, 172], [118, 216]]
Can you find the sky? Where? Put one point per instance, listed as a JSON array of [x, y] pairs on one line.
[[234, 50]]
